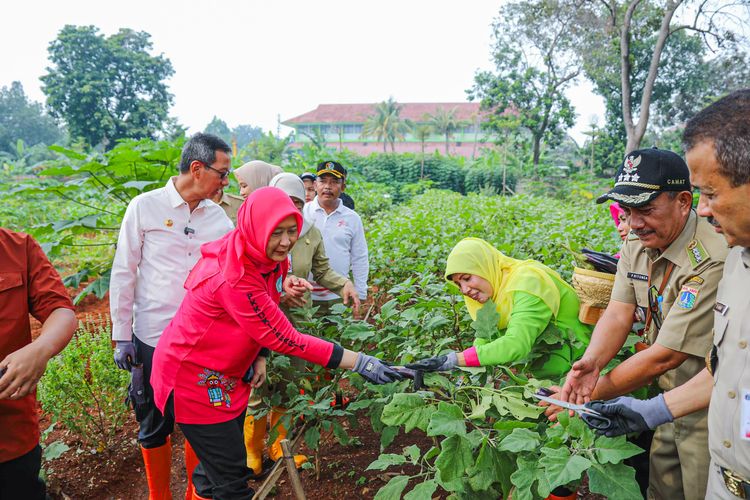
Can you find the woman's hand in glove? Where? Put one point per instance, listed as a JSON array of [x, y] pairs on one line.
[[375, 370], [443, 363]]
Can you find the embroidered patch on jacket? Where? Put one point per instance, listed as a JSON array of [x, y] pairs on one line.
[[639, 277], [218, 386], [687, 297], [695, 281], [279, 285], [696, 253]]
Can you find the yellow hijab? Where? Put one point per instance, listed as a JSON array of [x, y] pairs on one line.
[[476, 256]]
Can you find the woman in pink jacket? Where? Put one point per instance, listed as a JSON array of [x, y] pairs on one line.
[[228, 317]]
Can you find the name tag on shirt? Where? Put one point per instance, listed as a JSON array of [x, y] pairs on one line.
[[639, 277], [745, 415]]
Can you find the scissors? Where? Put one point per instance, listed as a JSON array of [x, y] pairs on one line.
[[592, 417]]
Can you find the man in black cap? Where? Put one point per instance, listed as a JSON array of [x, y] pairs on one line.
[[343, 233], [671, 272]]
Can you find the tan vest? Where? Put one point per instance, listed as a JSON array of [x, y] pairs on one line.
[[732, 374]]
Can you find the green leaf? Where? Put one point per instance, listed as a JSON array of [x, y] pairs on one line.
[[394, 488], [485, 325], [422, 491], [614, 450], [312, 437], [520, 440], [98, 287], [413, 453], [478, 411], [491, 466], [560, 468], [614, 481], [358, 331], [73, 155], [432, 453], [385, 460], [520, 408], [502, 425], [448, 420], [455, 457], [387, 435], [54, 450], [411, 410], [523, 478]]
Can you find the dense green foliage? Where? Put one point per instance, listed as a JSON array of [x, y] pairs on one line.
[[107, 88], [21, 119], [83, 390]]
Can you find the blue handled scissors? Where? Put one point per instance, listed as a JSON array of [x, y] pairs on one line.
[[592, 417]]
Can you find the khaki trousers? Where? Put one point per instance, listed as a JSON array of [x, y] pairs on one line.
[[680, 460]]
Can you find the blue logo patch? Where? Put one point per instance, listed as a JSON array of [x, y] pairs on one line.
[[279, 285], [687, 297]]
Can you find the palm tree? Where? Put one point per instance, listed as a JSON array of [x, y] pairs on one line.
[[445, 122], [386, 125], [422, 132]]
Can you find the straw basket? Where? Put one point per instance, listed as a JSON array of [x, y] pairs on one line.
[[594, 289]]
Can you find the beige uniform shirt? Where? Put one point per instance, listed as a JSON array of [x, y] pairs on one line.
[[231, 204], [728, 436], [689, 294]]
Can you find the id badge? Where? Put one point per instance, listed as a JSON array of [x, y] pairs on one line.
[[745, 415]]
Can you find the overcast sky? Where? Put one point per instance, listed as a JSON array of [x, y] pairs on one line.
[[249, 62]]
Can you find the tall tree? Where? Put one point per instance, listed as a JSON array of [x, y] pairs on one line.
[[245, 134], [422, 132], [25, 120], [386, 124], [219, 128], [445, 123], [107, 88], [641, 45], [534, 63]]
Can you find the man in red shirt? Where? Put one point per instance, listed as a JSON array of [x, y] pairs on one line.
[[28, 285]]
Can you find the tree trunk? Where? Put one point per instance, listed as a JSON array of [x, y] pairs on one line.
[[636, 131], [421, 171], [447, 143], [537, 141]]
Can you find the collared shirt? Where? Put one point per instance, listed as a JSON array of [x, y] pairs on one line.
[[159, 244], [345, 245], [730, 399], [28, 285], [689, 294]]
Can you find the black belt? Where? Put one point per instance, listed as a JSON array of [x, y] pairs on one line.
[[736, 485]]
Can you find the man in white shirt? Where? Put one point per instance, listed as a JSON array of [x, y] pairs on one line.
[[343, 233], [159, 243]]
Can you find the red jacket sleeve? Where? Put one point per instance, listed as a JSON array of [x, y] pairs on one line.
[[250, 305], [46, 290]]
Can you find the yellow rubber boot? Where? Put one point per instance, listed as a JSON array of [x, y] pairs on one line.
[[275, 452], [255, 433], [158, 462]]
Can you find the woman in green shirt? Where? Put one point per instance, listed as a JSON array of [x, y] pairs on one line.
[[528, 296]]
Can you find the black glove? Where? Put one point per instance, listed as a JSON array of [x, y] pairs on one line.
[[375, 370], [137, 389], [124, 354], [628, 415], [436, 364]]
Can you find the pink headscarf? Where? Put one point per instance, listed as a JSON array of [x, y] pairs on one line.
[[246, 245], [615, 209]]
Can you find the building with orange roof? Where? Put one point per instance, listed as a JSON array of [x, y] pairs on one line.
[[341, 126]]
